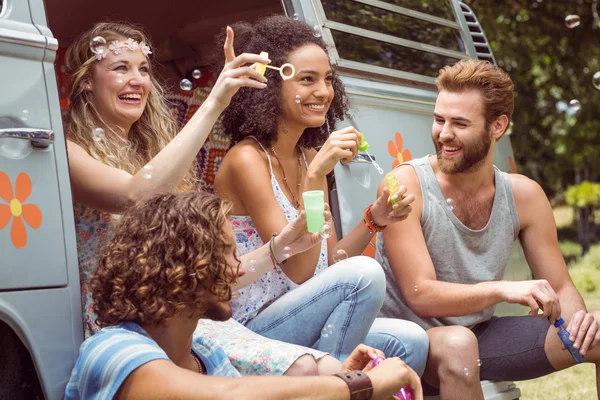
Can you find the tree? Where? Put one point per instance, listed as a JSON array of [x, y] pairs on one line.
[[549, 63]]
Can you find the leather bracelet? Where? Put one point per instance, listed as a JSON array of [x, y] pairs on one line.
[[370, 222], [272, 254], [359, 384]]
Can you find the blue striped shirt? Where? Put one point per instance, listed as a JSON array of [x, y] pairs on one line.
[[107, 358]]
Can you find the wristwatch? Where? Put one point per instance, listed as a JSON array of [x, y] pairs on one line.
[[359, 384]]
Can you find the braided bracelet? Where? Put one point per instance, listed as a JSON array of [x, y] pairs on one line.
[[370, 222], [272, 253]]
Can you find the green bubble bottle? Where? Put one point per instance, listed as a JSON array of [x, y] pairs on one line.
[[392, 184]]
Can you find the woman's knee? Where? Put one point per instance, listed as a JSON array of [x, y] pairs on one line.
[[305, 365], [367, 271], [328, 365], [401, 338]]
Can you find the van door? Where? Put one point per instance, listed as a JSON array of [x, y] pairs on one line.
[[40, 307], [31, 235]]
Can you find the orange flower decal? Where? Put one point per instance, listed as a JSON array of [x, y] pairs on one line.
[[512, 165], [30, 213], [397, 152]]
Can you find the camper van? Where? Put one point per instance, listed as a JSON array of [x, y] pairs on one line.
[[388, 69]]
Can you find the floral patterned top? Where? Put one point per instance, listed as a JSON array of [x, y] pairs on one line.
[[275, 283], [93, 229]]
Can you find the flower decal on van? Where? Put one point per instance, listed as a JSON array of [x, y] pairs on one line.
[[397, 152], [29, 213]]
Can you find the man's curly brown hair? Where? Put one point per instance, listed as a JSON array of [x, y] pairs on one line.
[[168, 252], [254, 112]]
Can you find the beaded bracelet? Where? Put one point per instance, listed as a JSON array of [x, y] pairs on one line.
[[370, 222]]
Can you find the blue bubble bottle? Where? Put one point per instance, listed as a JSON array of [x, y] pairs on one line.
[[563, 334]]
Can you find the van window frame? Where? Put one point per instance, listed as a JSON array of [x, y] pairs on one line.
[[384, 73], [3, 8]]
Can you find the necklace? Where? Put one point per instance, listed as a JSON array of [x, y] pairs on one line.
[[295, 200], [200, 369]]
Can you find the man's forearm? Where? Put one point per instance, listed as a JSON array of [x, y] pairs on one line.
[[283, 388], [570, 301], [436, 299]]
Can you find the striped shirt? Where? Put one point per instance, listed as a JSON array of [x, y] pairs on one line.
[[107, 358]]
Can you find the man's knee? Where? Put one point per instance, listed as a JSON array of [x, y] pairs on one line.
[[451, 347], [305, 365], [459, 340]]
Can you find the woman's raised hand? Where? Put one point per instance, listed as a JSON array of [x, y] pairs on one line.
[[236, 73], [341, 145]]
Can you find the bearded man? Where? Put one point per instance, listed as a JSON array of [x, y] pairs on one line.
[[445, 264]]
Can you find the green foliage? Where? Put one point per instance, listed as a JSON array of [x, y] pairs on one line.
[[585, 272], [583, 195], [548, 63], [569, 250]]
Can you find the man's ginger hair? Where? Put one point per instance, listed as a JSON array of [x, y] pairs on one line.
[[495, 86]]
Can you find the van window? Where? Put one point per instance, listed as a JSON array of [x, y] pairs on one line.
[[442, 9], [394, 37], [378, 53], [1, 1]]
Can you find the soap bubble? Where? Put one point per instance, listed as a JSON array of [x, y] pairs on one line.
[[466, 371], [340, 255], [451, 203], [252, 265], [479, 362], [326, 231], [179, 142], [24, 115], [327, 331], [148, 171], [296, 17], [185, 84], [572, 21], [415, 288], [98, 45], [317, 31], [297, 99], [596, 80], [562, 106], [196, 74], [119, 78], [286, 252], [574, 107], [98, 134]]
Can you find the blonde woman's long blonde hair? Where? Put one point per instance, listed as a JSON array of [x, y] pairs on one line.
[[147, 136]]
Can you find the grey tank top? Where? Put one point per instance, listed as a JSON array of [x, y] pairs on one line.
[[459, 254]]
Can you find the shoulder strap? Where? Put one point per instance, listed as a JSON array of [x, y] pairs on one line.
[[304, 156], [267, 153]]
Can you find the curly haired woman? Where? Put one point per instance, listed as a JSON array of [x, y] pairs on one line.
[[309, 300], [170, 264], [141, 154]]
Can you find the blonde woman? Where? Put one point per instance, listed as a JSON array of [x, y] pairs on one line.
[[124, 146]]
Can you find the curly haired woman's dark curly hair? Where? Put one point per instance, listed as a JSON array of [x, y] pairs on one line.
[[167, 253], [254, 112]]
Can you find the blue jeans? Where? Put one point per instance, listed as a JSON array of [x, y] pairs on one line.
[[335, 311]]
